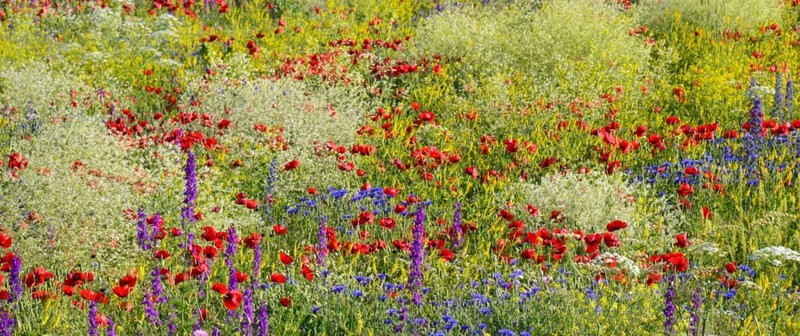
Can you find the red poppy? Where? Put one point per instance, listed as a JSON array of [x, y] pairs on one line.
[[68, 290], [682, 240], [685, 190], [5, 241], [426, 116], [210, 252], [471, 171], [285, 258], [253, 240], [707, 213], [161, 254], [616, 225], [611, 240], [448, 255], [291, 165], [37, 277], [278, 278], [307, 272], [232, 299], [122, 291], [730, 267], [653, 278], [279, 229], [286, 301], [251, 204], [219, 288], [388, 222], [673, 120], [691, 170]]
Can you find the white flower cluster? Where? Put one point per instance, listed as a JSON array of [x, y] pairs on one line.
[[308, 116], [586, 201], [621, 262], [776, 255], [545, 45]]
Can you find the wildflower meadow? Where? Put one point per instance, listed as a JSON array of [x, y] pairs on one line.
[[410, 167]]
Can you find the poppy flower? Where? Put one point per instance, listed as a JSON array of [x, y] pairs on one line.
[[388, 222], [253, 240], [88, 294], [616, 225], [285, 258], [673, 120], [307, 272], [68, 290], [161, 254], [730, 267], [219, 288], [5, 241], [682, 240], [232, 299], [426, 116], [653, 278], [291, 165], [685, 190], [471, 171], [241, 277], [707, 213], [278, 278], [122, 291], [279, 229], [448, 255], [251, 204], [286, 301]]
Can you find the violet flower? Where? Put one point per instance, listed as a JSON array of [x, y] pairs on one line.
[[669, 307], [14, 280], [458, 228], [111, 330], [263, 319], [142, 237], [697, 300], [190, 193], [415, 271], [248, 315], [93, 318], [230, 253]]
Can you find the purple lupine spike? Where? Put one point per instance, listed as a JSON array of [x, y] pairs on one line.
[[158, 226], [415, 271], [458, 228], [198, 323], [697, 300], [150, 308], [230, 253], [157, 286], [190, 193], [669, 307], [756, 117], [256, 264], [171, 327], [111, 330], [778, 111], [14, 280], [322, 242], [248, 313], [263, 319], [93, 318], [7, 324], [215, 332], [142, 237]]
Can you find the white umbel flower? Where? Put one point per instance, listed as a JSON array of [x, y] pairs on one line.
[[776, 255]]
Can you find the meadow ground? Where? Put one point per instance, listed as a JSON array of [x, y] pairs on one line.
[[365, 167]]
